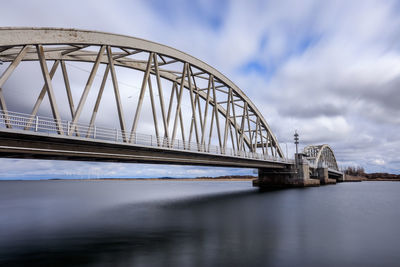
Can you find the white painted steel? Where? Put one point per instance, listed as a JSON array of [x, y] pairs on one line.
[[17, 44], [321, 156], [20, 121]]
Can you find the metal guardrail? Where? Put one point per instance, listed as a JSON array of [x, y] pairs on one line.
[[41, 124]]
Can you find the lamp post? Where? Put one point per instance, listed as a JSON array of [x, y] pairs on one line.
[[296, 141], [297, 157]]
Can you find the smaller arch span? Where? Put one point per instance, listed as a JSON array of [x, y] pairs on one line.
[[321, 156]]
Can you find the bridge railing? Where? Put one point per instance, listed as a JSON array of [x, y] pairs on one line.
[[67, 129]]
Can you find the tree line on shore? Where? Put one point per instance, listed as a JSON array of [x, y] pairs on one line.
[[360, 172]]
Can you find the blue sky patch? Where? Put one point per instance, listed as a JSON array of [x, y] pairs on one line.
[[196, 11]]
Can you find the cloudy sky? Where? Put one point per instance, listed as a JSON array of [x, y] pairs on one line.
[[330, 69]]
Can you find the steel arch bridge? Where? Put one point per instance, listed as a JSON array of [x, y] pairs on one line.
[[192, 106], [321, 156]]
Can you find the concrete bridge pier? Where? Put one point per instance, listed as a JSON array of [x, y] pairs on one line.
[[297, 175], [341, 179], [323, 176]]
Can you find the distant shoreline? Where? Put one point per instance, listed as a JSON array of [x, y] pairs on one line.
[[153, 179], [221, 178], [353, 178], [381, 180]]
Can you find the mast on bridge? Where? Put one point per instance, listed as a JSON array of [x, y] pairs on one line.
[[296, 141]]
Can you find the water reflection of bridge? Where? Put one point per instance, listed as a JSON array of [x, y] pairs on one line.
[[184, 112]]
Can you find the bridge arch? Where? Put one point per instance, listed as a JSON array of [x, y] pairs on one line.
[[241, 122], [320, 156]]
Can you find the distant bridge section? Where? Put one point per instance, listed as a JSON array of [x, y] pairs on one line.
[[321, 156], [315, 166], [322, 162]]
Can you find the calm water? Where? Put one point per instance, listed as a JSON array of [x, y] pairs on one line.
[[174, 223]]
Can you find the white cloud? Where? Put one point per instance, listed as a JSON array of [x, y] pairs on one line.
[[379, 161]]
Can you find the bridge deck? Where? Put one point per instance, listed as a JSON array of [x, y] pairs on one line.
[[16, 143]]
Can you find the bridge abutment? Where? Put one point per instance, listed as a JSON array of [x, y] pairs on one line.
[[297, 175]]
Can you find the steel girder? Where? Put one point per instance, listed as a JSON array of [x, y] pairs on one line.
[[321, 155], [250, 129]]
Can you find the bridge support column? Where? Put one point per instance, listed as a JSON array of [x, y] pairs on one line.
[[303, 171], [341, 178], [323, 176], [297, 175]]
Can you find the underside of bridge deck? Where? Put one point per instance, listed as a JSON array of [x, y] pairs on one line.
[[39, 146]]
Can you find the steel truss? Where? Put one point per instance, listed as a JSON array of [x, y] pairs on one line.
[[233, 116], [321, 156]]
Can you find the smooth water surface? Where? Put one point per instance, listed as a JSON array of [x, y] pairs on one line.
[[197, 223]]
